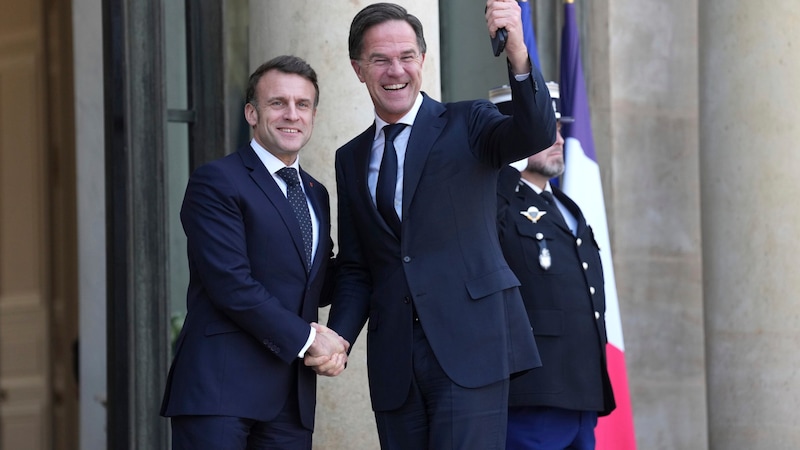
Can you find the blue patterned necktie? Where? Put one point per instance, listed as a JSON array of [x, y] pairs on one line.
[[387, 179], [296, 197]]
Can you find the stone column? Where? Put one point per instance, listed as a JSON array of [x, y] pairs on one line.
[[749, 97], [317, 32], [654, 204]]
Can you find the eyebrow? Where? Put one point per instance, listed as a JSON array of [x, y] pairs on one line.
[[286, 100], [407, 52]]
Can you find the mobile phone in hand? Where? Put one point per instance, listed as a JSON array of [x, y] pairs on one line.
[[499, 41]]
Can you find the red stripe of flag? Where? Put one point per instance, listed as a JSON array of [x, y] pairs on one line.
[[581, 181]]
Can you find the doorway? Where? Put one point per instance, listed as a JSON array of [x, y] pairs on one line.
[[38, 301]]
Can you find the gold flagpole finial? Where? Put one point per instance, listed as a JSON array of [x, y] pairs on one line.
[[569, 1]]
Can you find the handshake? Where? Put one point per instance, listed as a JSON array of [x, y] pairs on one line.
[[327, 355]]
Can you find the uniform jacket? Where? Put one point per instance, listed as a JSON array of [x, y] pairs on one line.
[[250, 298], [565, 302], [447, 263]]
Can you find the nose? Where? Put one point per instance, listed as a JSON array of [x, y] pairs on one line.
[[559, 137], [291, 112], [395, 66]]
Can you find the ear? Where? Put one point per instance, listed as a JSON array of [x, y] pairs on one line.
[[250, 114], [357, 69]]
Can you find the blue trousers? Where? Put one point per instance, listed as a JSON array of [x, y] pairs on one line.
[[284, 432], [441, 415], [546, 428]]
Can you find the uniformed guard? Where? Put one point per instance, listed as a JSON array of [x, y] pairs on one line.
[[552, 250]]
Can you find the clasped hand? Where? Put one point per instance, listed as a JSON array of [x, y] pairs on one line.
[[327, 355]]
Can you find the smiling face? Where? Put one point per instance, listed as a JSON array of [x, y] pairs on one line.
[[282, 113], [391, 66]]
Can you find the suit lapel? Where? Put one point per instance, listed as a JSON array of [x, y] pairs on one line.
[[267, 184], [362, 150], [361, 154], [315, 196], [573, 209], [419, 146]]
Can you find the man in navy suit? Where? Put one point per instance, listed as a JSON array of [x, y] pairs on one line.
[[259, 250], [446, 326], [552, 250]]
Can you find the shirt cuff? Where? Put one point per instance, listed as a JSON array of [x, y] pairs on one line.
[[522, 76], [311, 336]]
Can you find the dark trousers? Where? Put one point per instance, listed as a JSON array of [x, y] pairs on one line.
[[441, 415], [546, 428], [284, 432]]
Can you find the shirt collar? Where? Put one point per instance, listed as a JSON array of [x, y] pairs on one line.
[[272, 163], [536, 188], [408, 119]]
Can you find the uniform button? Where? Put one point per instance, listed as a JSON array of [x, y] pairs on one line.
[[596, 315], [406, 300], [585, 266], [539, 236], [591, 290], [406, 259], [578, 242]]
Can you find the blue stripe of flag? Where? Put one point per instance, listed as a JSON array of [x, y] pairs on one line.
[[574, 101], [528, 34]]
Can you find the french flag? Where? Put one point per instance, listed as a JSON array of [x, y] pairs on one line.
[[581, 181]]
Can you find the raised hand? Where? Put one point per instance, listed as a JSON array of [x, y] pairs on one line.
[[506, 14]]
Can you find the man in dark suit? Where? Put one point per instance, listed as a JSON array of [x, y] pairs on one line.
[[419, 255], [259, 247], [552, 250]]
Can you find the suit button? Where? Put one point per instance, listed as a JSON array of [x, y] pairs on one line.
[[591, 290], [578, 242], [270, 345], [406, 259], [585, 266], [596, 315], [406, 300]]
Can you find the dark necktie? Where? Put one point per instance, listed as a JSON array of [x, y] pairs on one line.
[[551, 201], [300, 206], [387, 179]]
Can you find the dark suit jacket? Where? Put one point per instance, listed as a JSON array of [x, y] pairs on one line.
[[565, 303], [448, 262], [250, 299]]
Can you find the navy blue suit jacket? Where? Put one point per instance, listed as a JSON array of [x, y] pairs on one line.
[[250, 298], [448, 261], [565, 302]]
